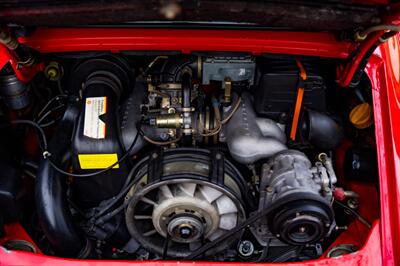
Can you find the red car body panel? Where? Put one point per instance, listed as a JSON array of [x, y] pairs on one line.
[[366, 256], [383, 70], [256, 42]]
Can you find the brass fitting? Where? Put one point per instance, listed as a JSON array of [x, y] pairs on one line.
[[169, 121], [227, 90]]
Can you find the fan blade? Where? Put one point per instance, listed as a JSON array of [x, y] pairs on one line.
[[228, 221], [188, 188], [166, 192], [209, 193], [148, 201], [150, 233], [226, 205]]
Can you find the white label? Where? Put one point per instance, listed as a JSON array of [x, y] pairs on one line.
[[93, 126]]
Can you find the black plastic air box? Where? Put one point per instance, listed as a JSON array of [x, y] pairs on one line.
[[277, 89]]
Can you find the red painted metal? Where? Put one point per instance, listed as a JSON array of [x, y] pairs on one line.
[[384, 72], [351, 67], [47, 40], [366, 256], [24, 74], [15, 231]]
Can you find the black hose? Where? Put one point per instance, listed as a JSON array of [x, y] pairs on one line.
[[186, 89], [51, 199]]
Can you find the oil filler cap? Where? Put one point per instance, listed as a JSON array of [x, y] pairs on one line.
[[361, 116]]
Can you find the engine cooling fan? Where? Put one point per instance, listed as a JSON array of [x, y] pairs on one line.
[[186, 206]]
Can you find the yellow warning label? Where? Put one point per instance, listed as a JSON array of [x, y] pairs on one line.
[[97, 161]]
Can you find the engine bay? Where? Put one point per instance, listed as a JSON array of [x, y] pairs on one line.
[[203, 156]]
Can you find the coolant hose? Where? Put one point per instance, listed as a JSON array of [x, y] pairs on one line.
[[51, 199]]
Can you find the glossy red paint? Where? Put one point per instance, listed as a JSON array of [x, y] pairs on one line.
[[365, 257], [351, 67], [15, 231], [384, 72], [24, 74], [47, 40]]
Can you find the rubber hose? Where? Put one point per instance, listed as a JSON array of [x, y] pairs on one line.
[[51, 198]]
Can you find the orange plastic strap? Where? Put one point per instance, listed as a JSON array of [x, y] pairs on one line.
[[299, 101], [303, 74]]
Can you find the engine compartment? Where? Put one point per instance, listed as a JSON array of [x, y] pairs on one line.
[[209, 156]]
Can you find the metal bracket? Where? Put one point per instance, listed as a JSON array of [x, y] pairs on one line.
[[217, 167], [154, 167]]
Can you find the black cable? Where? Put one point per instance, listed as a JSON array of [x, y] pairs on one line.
[[265, 252], [47, 154], [55, 98], [165, 249], [126, 187], [123, 157], [34, 125], [42, 118], [52, 122], [30, 164], [243, 225], [103, 219], [29, 173], [354, 213]]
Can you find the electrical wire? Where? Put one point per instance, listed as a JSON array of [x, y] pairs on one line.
[[155, 142], [217, 129], [31, 164], [47, 154], [265, 252], [52, 122], [210, 132], [354, 213], [36, 126], [55, 98], [153, 62], [235, 108], [124, 190], [59, 86], [220, 123], [362, 35], [103, 219], [30, 174], [40, 120], [123, 157]]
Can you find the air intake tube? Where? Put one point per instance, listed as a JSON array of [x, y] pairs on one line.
[[51, 199]]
